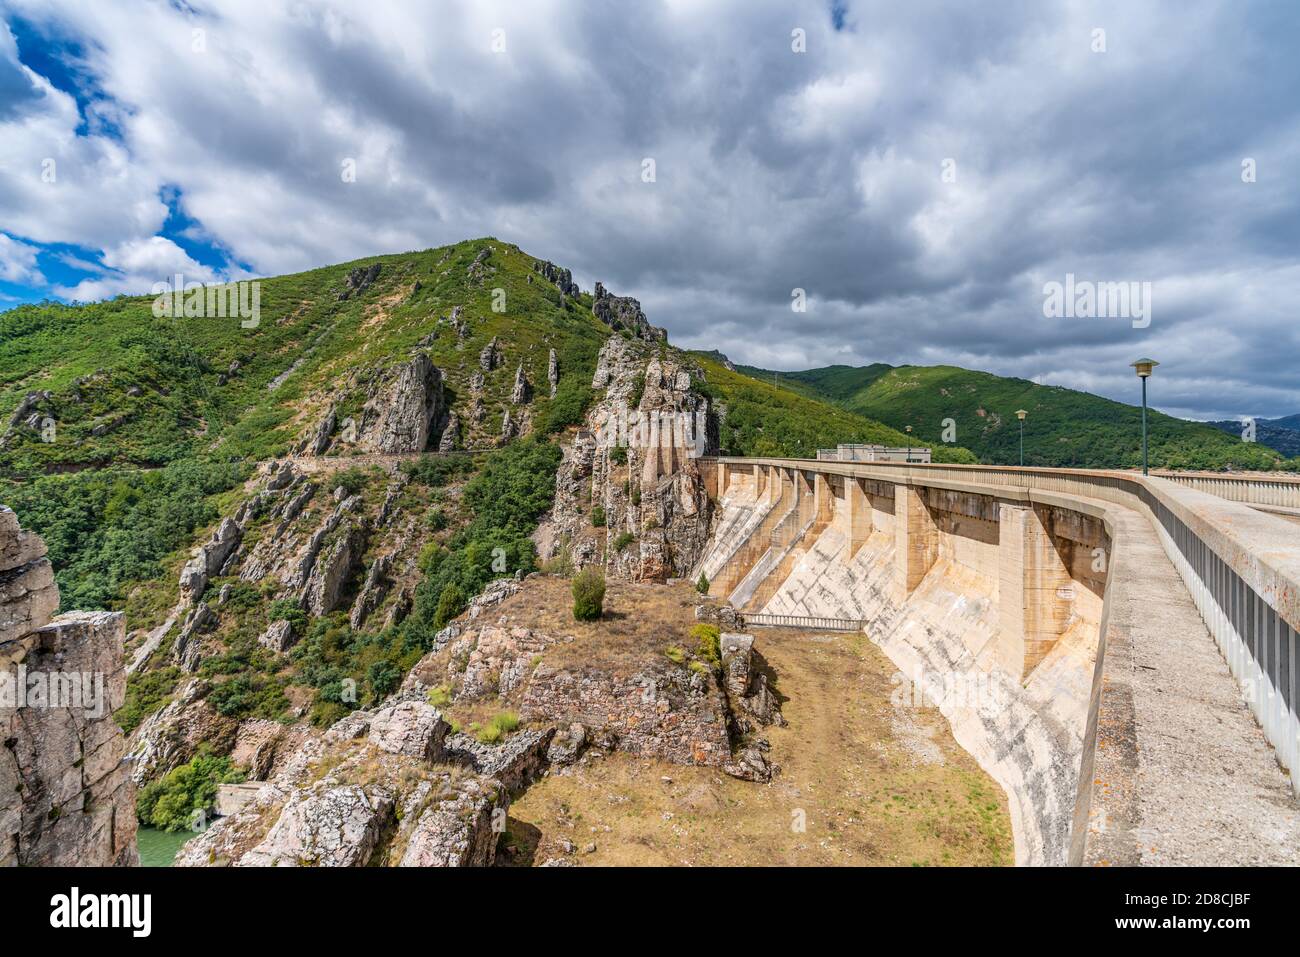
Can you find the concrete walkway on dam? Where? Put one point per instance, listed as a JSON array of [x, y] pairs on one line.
[[1146, 712], [1206, 788]]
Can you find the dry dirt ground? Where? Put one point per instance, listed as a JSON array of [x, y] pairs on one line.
[[863, 783]]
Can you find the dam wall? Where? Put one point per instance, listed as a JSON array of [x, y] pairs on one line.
[[1027, 604]]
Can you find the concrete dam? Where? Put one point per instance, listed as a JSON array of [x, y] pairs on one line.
[[1117, 651]]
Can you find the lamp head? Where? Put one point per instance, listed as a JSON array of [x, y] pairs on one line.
[[1144, 367], [1021, 413]]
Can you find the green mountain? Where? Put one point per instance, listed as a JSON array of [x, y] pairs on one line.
[[977, 410], [129, 433]]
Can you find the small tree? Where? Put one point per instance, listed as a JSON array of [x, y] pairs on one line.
[[450, 604], [702, 586], [598, 516], [588, 594]]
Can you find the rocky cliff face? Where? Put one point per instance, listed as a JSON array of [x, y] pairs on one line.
[[635, 466], [65, 795]]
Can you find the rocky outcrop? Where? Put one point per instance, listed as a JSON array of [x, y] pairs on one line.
[[553, 372], [746, 686], [637, 461], [325, 827], [460, 832], [318, 440], [188, 648], [359, 280], [366, 794], [517, 763], [209, 559], [490, 357], [324, 586], [671, 713], [372, 591], [278, 636], [561, 278], [623, 313], [450, 433], [171, 736], [522, 391], [403, 409], [66, 797], [411, 728]]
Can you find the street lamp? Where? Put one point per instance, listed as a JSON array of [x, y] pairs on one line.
[[1144, 367], [1020, 414], [908, 429]]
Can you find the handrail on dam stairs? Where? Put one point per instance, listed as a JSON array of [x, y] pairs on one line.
[[805, 621], [1241, 566]]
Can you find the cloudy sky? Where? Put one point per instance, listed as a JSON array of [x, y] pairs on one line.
[[920, 171]]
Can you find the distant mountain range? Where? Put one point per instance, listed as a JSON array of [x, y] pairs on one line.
[[946, 405], [1281, 434]]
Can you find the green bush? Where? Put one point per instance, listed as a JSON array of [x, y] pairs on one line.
[[439, 696], [505, 500], [450, 604], [172, 802], [676, 655], [598, 516], [569, 407], [623, 540], [618, 455], [708, 642], [146, 691], [702, 585], [351, 480], [588, 594]]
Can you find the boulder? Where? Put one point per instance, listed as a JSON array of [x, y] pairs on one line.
[[461, 831], [278, 636], [412, 728], [325, 827], [566, 746]]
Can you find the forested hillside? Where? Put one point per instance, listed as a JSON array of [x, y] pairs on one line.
[[1064, 428]]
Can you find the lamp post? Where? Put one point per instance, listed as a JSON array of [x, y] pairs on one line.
[[1144, 367], [908, 428], [1020, 414]]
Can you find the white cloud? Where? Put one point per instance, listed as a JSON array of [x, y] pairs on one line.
[[18, 262], [775, 169], [133, 267]]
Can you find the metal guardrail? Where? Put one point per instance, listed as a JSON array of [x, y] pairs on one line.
[[806, 621]]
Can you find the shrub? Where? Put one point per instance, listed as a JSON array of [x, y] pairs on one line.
[[676, 655], [383, 678], [286, 609], [588, 594], [488, 734], [623, 541], [598, 516], [435, 520], [450, 604], [702, 586], [351, 480], [618, 455], [439, 696], [709, 643], [145, 693], [569, 407]]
